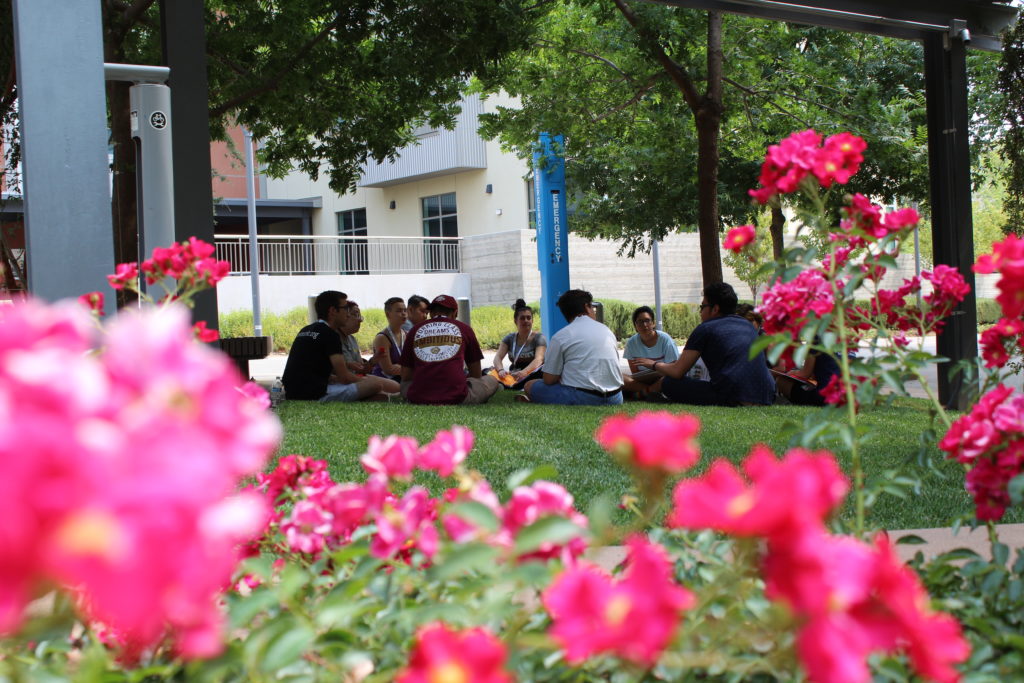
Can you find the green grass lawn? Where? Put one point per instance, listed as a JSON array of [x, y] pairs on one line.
[[511, 436]]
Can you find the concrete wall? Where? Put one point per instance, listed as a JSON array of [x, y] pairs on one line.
[[281, 293], [504, 268]]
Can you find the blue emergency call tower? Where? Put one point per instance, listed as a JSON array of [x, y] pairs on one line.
[[552, 229]]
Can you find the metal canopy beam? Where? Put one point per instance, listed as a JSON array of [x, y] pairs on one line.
[[908, 19], [184, 50]]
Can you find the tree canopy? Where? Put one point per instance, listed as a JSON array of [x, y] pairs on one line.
[[631, 139]]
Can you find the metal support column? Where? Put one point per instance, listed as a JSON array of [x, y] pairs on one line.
[[945, 61], [59, 55], [184, 50]]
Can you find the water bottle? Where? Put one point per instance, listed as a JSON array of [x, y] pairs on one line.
[[276, 393]]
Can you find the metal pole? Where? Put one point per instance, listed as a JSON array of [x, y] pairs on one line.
[[917, 259], [657, 285], [59, 50], [254, 270]]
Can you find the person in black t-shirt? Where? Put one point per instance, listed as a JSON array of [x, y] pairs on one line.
[[722, 341], [316, 369]]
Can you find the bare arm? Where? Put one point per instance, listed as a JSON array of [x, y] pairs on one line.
[[474, 369], [406, 374], [341, 371], [538, 360], [677, 369], [381, 342], [499, 357], [551, 379], [807, 370]]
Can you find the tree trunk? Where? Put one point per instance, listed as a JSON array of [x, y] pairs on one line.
[[777, 224], [708, 119], [124, 201]]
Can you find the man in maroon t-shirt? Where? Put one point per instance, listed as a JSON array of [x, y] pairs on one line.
[[436, 356]]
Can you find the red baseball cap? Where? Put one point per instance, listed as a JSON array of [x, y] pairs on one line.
[[444, 301]]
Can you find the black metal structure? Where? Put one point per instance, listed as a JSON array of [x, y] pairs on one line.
[[184, 50], [946, 28]]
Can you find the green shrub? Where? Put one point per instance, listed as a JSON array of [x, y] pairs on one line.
[[618, 316], [374, 321], [491, 323], [282, 327], [988, 311], [679, 319]]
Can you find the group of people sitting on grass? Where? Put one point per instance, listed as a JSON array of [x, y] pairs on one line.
[[428, 356]]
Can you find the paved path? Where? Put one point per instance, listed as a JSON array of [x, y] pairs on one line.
[[937, 541]]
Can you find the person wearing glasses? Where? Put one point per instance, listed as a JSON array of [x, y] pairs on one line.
[[581, 367], [722, 341], [350, 347], [316, 369], [648, 342]]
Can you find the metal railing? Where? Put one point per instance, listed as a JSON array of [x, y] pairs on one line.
[[332, 255]]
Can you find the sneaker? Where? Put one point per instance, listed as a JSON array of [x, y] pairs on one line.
[[522, 398]]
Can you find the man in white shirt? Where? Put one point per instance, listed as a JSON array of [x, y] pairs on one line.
[[581, 367]]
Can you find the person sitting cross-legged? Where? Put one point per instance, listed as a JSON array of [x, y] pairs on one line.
[[524, 347], [437, 355], [389, 341], [722, 341], [581, 367], [648, 342], [316, 369]]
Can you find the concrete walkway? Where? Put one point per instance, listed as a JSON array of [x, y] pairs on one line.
[[937, 541]]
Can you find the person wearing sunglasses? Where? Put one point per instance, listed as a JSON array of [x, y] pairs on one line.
[[722, 341]]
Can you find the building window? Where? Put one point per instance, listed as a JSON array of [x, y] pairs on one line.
[[353, 257], [440, 220], [531, 203]]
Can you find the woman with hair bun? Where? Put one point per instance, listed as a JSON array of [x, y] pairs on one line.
[[524, 348]]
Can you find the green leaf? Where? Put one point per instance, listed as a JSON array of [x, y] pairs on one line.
[[910, 539], [477, 514], [464, 558], [1016, 489], [527, 476], [551, 529], [287, 647]]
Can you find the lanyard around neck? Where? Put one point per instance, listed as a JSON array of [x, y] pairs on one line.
[[515, 353]]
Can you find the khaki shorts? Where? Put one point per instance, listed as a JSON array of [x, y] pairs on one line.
[[480, 389]]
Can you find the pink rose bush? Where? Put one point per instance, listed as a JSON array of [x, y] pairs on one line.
[[443, 655], [316, 515], [819, 297], [849, 599], [122, 451], [135, 479], [634, 617]]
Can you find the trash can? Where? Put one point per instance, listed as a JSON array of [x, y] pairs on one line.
[[599, 311], [463, 314], [311, 316]]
